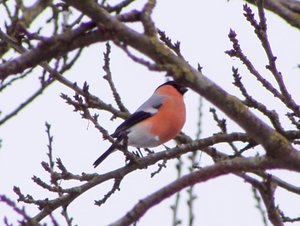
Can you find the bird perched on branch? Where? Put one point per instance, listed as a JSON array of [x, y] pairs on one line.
[[155, 122]]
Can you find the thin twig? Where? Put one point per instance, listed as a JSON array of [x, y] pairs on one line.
[[108, 78]]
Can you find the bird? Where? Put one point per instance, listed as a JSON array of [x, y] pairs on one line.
[[158, 120]]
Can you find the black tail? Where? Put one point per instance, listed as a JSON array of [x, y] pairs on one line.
[[104, 155]]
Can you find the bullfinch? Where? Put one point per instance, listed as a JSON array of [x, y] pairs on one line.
[[155, 122]]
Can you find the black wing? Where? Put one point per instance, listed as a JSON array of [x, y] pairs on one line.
[[121, 131], [131, 121]]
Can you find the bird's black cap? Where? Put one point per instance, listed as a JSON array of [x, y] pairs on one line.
[[181, 89]]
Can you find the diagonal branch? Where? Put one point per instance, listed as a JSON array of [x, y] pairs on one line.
[[222, 167], [207, 173]]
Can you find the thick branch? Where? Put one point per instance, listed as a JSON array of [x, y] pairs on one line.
[[96, 179], [254, 164], [207, 173]]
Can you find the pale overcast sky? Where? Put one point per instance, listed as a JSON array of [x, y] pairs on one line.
[[202, 27]]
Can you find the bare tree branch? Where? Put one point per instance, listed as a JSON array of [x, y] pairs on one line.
[[156, 51], [289, 10], [199, 176]]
